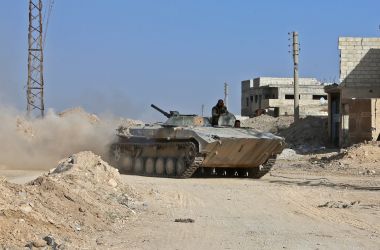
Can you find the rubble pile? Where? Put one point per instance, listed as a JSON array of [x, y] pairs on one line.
[[362, 159], [308, 134], [361, 153], [69, 206], [267, 123], [359, 159]]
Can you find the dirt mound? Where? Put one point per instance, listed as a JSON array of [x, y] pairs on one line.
[[78, 111], [308, 134], [359, 159], [361, 153], [267, 123], [70, 206]]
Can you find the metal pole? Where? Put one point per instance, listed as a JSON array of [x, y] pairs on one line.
[[203, 108], [226, 95], [296, 77]]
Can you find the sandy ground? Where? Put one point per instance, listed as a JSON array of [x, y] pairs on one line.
[[272, 213], [281, 211]]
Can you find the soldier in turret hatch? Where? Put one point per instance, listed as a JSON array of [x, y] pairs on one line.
[[217, 110]]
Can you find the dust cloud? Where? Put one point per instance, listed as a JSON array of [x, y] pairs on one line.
[[41, 143]]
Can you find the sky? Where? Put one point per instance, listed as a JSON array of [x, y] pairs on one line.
[[119, 56]]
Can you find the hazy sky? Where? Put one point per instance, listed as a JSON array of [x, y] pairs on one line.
[[119, 55]]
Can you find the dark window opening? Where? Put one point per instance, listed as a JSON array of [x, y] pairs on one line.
[[247, 100], [274, 96], [256, 97], [267, 96], [292, 97], [251, 98], [318, 97], [289, 97]]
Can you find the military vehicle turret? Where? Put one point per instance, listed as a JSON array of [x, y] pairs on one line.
[[187, 145]]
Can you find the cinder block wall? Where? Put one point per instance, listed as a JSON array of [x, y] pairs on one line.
[[359, 62]]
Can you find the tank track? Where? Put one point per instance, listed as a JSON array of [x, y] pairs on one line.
[[254, 173], [265, 168], [185, 163], [192, 162]]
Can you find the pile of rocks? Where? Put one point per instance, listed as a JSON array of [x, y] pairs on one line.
[[69, 206]]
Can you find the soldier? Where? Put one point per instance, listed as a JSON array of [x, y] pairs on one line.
[[217, 110]]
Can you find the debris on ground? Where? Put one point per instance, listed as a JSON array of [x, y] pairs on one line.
[[70, 206], [359, 159], [361, 152], [185, 220], [340, 204]]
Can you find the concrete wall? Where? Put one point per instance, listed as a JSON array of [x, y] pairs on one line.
[[359, 90], [359, 67], [245, 97], [375, 113]]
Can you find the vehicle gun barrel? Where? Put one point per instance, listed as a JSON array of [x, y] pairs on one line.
[[161, 111]]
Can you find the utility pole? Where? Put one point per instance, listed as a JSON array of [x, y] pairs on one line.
[[35, 83], [296, 78], [226, 95], [203, 109]]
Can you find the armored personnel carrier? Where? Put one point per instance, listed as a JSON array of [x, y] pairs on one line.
[[187, 145]]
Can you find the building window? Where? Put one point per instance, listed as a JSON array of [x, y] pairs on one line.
[[289, 97], [267, 96], [318, 97], [292, 97], [247, 102], [251, 98], [256, 97]]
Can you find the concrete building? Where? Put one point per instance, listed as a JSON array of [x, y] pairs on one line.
[[276, 96], [354, 105]]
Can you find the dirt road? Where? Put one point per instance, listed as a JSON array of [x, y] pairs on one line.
[[272, 213], [281, 211]]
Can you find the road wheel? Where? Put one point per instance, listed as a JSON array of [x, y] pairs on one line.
[[170, 167], [160, 166], [149, 166], [126, 164], [139, 165]]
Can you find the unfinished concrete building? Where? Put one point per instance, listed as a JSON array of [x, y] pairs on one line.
[[276, 96], [354, 105]]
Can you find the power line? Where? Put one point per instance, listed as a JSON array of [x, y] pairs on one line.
[[46, 17]]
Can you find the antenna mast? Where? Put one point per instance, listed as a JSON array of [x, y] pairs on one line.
[[35, 84]]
